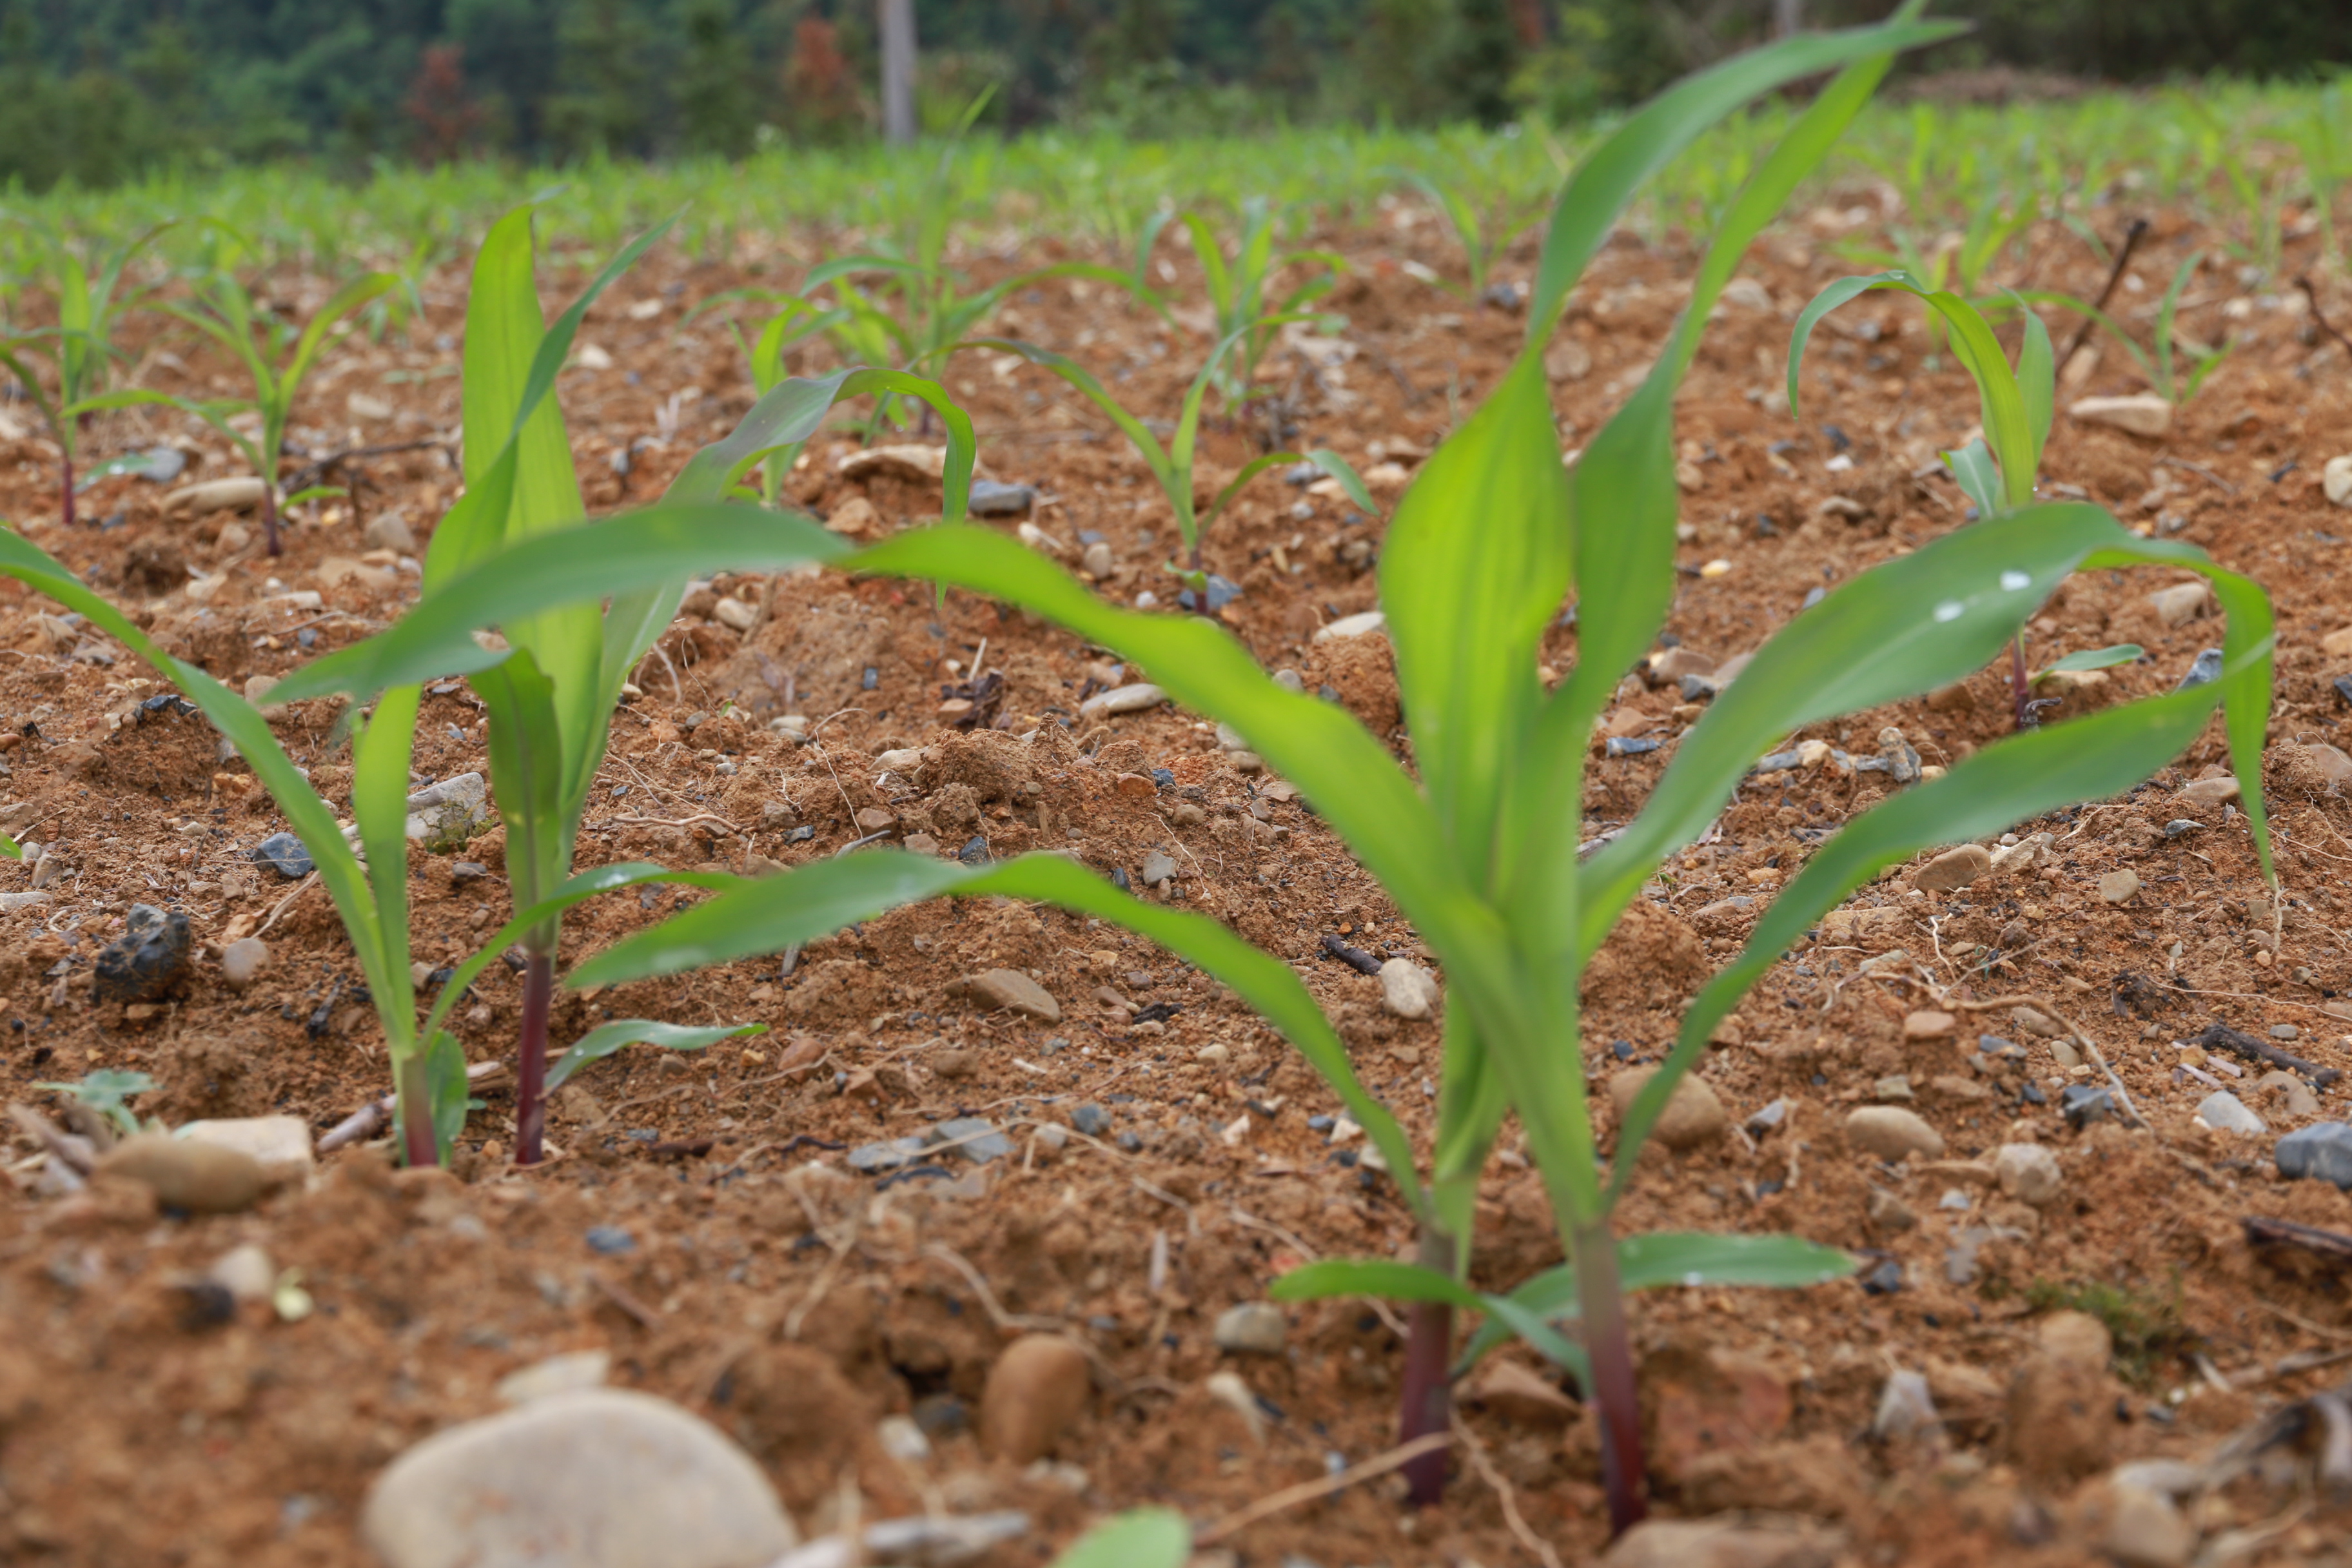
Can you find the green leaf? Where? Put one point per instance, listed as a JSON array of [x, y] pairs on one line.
[[1978, 476], [445, 1071], [2007, 783], [1475, 565], [1394, 1279], [774, 913], [2093, 658], [382, 747], [527, 761], [605, 1039], [1604, 185], [1141, 1538], [792, 412], [585, 563]]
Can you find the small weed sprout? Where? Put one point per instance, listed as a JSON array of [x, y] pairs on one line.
[[107, 1091]]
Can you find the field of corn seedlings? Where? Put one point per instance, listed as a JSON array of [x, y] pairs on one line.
[[1626, 846]]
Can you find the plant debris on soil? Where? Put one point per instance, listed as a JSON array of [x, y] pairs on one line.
[[799, 1233]]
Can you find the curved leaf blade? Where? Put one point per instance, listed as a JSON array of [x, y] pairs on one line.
[[606, 1039]]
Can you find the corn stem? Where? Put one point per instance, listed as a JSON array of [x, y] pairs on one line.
[[1427, 1403], [531, 1066], [1610, 1344], [416, 1112]]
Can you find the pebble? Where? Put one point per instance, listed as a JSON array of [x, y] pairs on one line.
[[993, 497], [284, 854], [1091, 1120], [1730, 1541], [2029, 1173], [597, 1479], [1953, 868], [390, 531], [569, 1373], [1098, 561], [611, 1240], [1408, 990], [2323, 1153], [1907, 1411], [2146, 1531], [1133, 698], [2211, 792], [1038, 1386], [2285, 1032], [854, 517], [243, 961], [1158, 866], [2225, 1112], [216, 495], [1354, 626], [443, 816], [1888, 1213], [201, 1178], [1928, 1025], [246, 1272], [281, 1144], [1694, 1117], [1011, 989], [980, 1140], [870, 1159], [2179, 604], [2300, 1100], [2118, 887], [1251, 1328], [2336, 480], [2143, 413], [143, 961], [2082, 1104], [2205, 670], [1892, 1133]]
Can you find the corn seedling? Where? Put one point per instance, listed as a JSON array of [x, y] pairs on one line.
[[550, 698], [276, 357], [2156, 362], [764, 357], [1238, 292], [78, 347], [1171, 465], [1958, 261], [1479, 248]]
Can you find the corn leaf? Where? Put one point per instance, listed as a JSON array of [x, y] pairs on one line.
[[1400, 1281], [774, 913], [606, 1039], [1142, 1538], [526, 758], [2091, 658], [1602, 187], [381, 749]]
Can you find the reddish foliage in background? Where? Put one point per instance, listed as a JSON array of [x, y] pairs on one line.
[[446, 118], [819, 89]]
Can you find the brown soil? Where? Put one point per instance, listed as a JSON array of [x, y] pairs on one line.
[[795, 1304]]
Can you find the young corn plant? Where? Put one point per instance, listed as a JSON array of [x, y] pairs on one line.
[[1171, 465], [89, 305], [1996, 470], [550, 698], [2156, 362], [1238, 292], [1480, 852], [1479, 247], [795, 320], [276, 357]]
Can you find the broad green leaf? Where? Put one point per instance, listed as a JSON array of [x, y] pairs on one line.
[[585, 563], [1317, 746], [2093, 658], [2037, 382], [527, 759], [605, 1039], [774, 913], [1901, 629], [2007, 783], [1401, 1281], [792, 412], [1473, 566], [346, 299], [381, 749], [1605, 184], [1142, 1538]]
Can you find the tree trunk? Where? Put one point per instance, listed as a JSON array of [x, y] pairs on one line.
[[899, 70]]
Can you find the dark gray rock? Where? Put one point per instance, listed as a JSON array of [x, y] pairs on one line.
[[991, 499], [1091, 1120], [284, 853], [2322, 1151], [2205, 670], [974, 1137], [610, 1240], [143, 961]]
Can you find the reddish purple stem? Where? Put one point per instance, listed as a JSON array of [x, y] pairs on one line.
[[1427, 1405]]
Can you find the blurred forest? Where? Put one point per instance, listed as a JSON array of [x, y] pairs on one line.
[[99, 89]]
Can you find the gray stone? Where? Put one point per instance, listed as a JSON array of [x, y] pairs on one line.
[[145, 961], [2082, 1104], [1907, 1411], [2285, 1032], [2146, 1531], [243, 961], [2204, 672], [1408, 990], [444, 816], [1091, 1120], [595, 1479], [871, 1159], [2118, 887], [1133, 698], [1158, 868], [992, 498], [284, 854], [2323, 1153], [974, 1137], [1252, 1328], [1011, 989], [611, 1240], [390, 531], [2225, 1112]]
